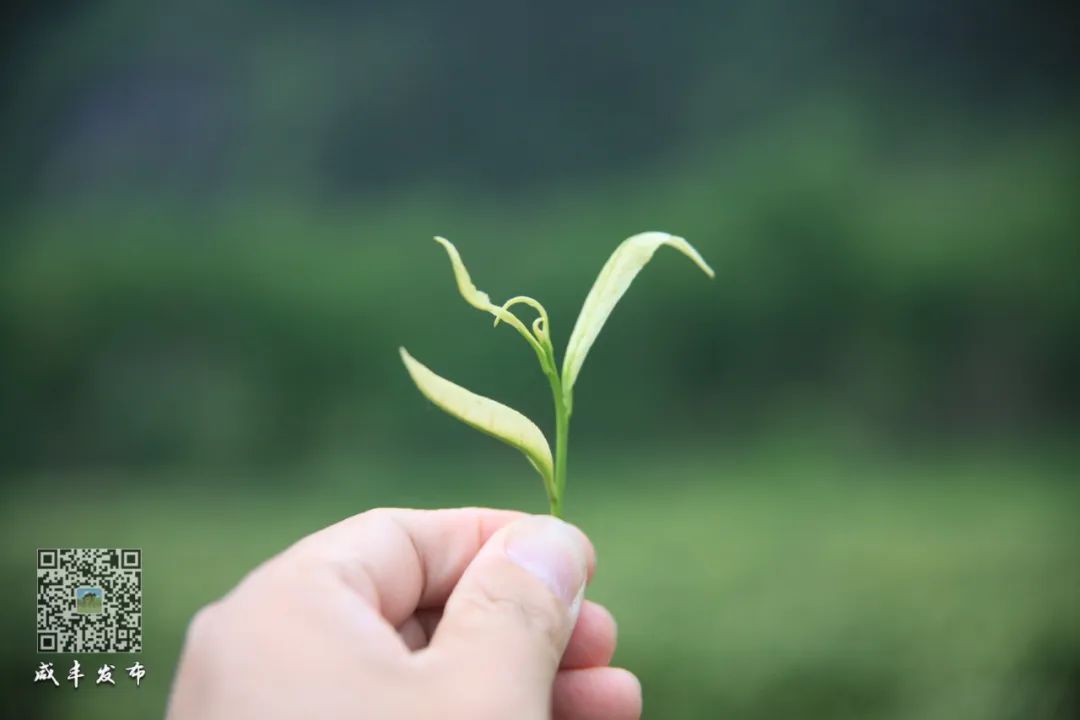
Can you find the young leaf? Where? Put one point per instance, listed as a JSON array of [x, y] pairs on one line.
[[612, 282], [477, 298], [482, 301], [486, 415]]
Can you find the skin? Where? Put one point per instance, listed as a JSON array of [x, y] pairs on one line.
[[449, 614]]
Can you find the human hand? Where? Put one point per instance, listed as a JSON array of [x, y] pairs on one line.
[[449, 614]]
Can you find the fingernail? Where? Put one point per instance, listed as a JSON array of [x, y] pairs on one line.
[[552, 551]]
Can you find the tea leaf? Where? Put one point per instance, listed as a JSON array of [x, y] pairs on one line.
[[486, 415], [482, 301], [612, 282], [477, 298]]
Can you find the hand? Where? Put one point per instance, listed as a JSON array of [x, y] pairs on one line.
[[448, 614]]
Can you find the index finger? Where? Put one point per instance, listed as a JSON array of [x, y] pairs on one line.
[[399, 560]]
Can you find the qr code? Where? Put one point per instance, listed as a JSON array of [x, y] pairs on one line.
[[89, 600]]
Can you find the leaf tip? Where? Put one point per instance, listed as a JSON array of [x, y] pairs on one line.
[[475, 297], [409, 360], [681, 244]]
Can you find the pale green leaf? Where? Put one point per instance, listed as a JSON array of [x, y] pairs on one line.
[[612, 282], [482, 301], [485, 415], [477, 298]]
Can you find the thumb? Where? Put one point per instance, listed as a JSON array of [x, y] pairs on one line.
[[511, 615]]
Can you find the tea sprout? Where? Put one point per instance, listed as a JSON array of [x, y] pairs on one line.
[[509, 425]]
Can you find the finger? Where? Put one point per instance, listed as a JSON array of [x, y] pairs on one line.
[[412, 634], [593, 642], [400, 560], [510, 617], [418, 628], [602, 693]]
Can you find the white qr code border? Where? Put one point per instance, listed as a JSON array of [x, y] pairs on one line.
[[114, 625]]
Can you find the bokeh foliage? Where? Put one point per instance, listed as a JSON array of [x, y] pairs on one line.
[[155, 334]]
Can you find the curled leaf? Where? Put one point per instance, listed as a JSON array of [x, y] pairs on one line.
[[477, 298], [539, 326], [482, 301], [612, 282], [484, 414], [531, 302]]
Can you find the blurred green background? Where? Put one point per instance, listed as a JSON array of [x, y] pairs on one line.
[[838, 482]]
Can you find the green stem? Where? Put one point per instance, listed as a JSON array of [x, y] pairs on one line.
[[562, 432], [557, 489]]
